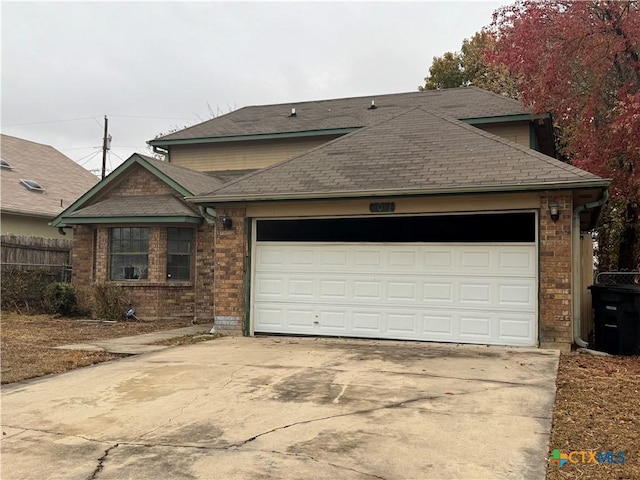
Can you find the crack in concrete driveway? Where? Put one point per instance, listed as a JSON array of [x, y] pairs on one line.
[[193, 412]]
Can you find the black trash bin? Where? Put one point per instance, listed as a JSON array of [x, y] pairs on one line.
[[616, 311]]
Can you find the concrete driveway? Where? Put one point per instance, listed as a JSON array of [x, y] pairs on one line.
[[288, 408]]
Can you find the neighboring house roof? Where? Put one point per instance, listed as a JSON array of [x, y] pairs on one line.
[[90, 208], [337, 115], [62, 179], [415, 152]]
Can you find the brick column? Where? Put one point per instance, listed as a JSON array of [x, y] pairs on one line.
[[204, 271], [229, 274], [555, 273], [82, 259], [102, 255]]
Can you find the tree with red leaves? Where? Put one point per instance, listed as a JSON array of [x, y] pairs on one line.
[[580, 61]]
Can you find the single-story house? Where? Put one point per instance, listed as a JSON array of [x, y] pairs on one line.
[[420, 216]]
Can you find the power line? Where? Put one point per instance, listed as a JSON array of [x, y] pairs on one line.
[[152, 117], [49, 121], [93, 155]]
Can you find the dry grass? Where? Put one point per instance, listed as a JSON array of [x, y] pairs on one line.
[[27, 343], [597, 408]]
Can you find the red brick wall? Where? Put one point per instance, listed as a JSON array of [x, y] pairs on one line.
[[230, 269], [139, 181], [82, 257], [155, 297], [555, 273]]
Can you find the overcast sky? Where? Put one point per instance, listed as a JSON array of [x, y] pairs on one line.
[[155, 66]]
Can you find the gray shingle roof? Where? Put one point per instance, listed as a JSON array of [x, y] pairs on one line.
[[62, 179], [194, 182], [460, 103], [414, 152], [137, 206]]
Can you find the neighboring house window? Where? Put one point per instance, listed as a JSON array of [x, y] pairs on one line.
[[129, 253], [32, 185], [179, 241], [5, 164]]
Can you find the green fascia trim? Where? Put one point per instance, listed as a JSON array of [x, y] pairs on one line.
[[109, 179], [247, 289], [504, 118], [259, 136], [569, 185], [124, 219]]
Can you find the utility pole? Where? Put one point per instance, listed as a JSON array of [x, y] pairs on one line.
[[106, 145]]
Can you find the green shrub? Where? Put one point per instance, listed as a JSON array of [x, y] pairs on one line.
[[109, 301], [60, 297]]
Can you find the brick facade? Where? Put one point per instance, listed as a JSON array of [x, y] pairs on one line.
[[230, 270], [154, 297], [555, 273], [220, 267]]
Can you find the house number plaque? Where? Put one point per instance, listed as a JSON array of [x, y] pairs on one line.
[[382, 207]]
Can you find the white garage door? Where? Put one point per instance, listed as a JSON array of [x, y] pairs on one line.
[[469, 293]]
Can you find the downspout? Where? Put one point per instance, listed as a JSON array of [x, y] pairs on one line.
[[577, 264], [209, 214], [162, 151]]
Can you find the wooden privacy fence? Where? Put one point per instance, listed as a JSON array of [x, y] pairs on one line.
[[29, 264], [24, 250]]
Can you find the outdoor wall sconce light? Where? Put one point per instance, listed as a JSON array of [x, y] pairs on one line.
[[554, 211], [226, 222]]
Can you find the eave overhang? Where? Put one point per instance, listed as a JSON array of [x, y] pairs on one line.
[[69, 221], [255, 137], [464, 190]]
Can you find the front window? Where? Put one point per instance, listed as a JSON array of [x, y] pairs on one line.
[[179, 241], [129, 253]]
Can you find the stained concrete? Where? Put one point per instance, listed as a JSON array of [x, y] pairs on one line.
[[288, 408]]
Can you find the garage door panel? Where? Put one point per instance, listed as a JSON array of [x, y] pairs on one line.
[[366, 291], [402, 323], [438, 293], [437, 326], [333, 289], [470, 293], [333, 319], [478, 293], [518, 328], [475, 325], [367, 322]]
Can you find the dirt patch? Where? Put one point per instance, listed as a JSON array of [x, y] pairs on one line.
[[28, 341], [597, 408], [187, 339]]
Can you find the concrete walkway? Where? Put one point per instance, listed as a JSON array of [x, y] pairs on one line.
[[138, 343]]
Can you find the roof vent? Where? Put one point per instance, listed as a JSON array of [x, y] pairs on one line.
[[373, 105], [5, 164], [32, 185], [293, 112]]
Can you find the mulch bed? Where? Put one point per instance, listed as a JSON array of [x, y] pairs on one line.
[[597, 408], [27, 342]]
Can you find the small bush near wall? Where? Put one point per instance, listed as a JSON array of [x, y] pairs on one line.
[[60, 298], [23, 287], [109, 301]]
